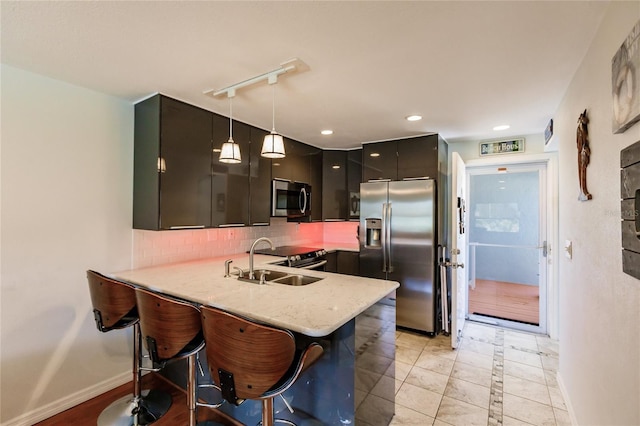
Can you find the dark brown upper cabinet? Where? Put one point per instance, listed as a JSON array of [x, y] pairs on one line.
[[354, 178], [179, 181], [295, 165], [315, 180], [172, 165], [334, 185], [418, 157], [403, 159], [259, 181], [230, 197], [341, 177]]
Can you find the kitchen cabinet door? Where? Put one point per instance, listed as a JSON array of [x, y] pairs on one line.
[[172, 165], [315, 180], [332, 262], [230, 195], [259, 180], [418, 157], [290, 167], [348, 262], [354, 178], [334, 185], [380, 161]]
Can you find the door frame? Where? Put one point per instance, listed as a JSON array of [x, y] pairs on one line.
[[553, 254]]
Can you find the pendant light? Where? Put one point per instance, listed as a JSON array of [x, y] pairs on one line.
[[230, 152], [273, 144]]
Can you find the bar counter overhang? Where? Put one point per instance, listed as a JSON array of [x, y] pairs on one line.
[[353, 318]]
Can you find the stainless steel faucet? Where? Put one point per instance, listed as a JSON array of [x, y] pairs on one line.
[[253, 247]]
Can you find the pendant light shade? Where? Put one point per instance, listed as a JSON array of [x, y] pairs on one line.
[[230, 152], [273, 144]]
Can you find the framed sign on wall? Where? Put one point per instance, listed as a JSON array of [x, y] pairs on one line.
[[510, 146]]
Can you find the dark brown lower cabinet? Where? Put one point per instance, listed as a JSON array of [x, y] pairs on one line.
[[332, 262], [343, 262], [348, 262]]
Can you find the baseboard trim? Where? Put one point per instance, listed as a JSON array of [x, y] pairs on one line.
[[567, 401], [62, 404]]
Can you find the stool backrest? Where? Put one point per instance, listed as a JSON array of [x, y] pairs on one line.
[[170, 328], [252, 356], [114, 302]]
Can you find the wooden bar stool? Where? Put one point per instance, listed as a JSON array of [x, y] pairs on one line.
[[114, 307], [253, 361], [171, 330]]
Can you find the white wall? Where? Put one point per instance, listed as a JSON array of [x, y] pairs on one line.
[[66, 168], [599, 304]]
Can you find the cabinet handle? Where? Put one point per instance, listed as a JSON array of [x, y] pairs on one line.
[[417, 178], [334, 220], [260, 224], [230, 225], [187, 227]]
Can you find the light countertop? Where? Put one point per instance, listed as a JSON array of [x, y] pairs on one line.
[[315, 310]]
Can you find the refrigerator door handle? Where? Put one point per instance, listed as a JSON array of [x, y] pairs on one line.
[[389, 256], [383, 236]]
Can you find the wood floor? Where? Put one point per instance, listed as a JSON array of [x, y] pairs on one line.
[[87, 413], [505, 300]]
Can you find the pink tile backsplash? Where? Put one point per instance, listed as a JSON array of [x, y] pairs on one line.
[[160, 247], [341, 233]]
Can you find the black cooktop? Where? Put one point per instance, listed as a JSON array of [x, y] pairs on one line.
[[285, 251]]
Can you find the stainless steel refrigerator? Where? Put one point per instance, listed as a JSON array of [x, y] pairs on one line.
[[398, 242]]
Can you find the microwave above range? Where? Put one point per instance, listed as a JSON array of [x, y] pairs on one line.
[[291, 200]]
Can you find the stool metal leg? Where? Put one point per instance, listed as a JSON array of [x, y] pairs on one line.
[[267, 412], [191, 389], [141, 407]]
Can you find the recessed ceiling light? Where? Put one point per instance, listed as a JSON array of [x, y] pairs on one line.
[[414, 118], [327, 132], [335, 166], [501, 127], [374, 154]]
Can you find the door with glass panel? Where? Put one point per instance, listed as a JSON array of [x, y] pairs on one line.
[[507, 246]]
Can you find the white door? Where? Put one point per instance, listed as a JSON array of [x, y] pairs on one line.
[[458, 248]]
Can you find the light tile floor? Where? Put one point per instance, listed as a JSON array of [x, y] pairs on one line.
[[496, 376]]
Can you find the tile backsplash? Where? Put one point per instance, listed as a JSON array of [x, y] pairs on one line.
[[160, 247]]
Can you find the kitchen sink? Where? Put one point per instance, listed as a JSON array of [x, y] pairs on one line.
[[271, 274], [296, 280], [279, 277]]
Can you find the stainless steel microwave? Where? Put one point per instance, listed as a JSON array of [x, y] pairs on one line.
[[290, 199]]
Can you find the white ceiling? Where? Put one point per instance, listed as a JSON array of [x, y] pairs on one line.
[[464, 66]]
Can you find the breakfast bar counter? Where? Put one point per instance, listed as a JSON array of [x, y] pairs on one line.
[[353, 318], [316, 309]]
